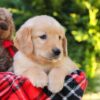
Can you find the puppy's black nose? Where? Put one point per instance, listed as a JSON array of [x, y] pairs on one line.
[[56, 51], [3, 26]]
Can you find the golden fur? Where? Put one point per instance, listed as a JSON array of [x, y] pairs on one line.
[[35, 59], [6, 22]]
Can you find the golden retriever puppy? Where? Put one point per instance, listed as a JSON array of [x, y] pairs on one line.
[[42, 55]]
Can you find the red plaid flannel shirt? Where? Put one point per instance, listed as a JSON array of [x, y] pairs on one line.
[[13, 87]]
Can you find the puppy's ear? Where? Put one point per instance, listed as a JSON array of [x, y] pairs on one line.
[[64, 44], [23, 40]]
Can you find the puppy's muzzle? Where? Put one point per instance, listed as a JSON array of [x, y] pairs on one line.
[[56, 52], [3, 26]]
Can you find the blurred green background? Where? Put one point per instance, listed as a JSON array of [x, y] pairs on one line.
[[81, 19]]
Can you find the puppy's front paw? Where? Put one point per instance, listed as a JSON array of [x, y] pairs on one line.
[[56, 82], [38, 78]]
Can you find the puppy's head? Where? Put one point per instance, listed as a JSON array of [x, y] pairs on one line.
[[7, 27], [42, 37]]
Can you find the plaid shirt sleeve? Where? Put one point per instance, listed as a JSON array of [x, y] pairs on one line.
[[13, 87]]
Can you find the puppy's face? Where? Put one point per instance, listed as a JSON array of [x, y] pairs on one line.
[[48, 43], [6, 24], [44, 41]]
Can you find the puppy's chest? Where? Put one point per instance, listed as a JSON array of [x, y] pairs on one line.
[[47, 68], [5, 59], [42, 67]]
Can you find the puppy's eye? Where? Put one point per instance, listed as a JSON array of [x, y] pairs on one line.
[[59, 37], [43, 37]]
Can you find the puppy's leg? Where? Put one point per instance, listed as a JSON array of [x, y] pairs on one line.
[[37, 77], [56, 79]]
